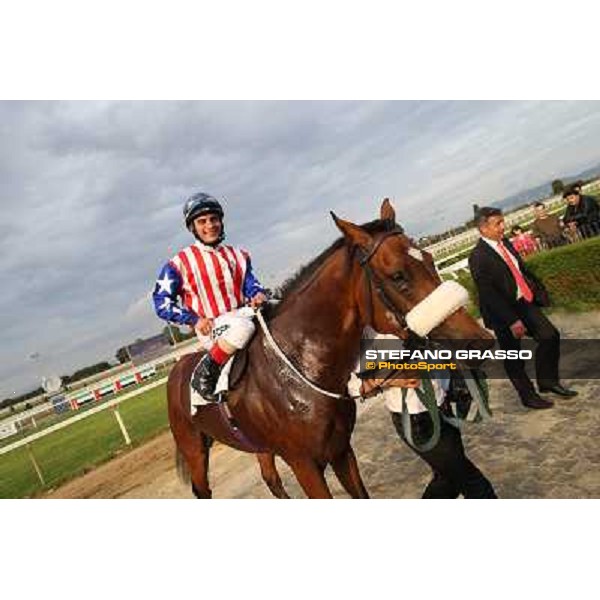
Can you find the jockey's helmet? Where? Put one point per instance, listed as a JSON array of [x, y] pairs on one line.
[[203, 204], [200, 204]]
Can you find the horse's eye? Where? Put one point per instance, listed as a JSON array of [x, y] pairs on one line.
[[399, 277]]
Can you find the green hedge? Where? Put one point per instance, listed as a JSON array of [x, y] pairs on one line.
[[571, 274]]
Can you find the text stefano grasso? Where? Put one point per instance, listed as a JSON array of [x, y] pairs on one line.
[[439, 354]]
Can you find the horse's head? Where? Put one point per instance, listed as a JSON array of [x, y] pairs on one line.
[[399, 291]]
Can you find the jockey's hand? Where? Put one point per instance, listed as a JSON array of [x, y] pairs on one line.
[[258, 300], [203, 326], [374, 386]]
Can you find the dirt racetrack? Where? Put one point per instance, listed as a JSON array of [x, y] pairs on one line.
[[526, 454]]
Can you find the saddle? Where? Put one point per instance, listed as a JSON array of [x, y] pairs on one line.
[[238, 367]]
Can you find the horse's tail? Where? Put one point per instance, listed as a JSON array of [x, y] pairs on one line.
[[183, 472]]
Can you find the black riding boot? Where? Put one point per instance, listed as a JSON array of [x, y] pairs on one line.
[[205, 377]]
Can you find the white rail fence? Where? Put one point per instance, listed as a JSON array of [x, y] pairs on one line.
[[111, 404], [94, 392]]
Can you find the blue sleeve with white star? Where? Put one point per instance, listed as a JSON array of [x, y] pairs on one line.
[[166, 298], [251, 285]]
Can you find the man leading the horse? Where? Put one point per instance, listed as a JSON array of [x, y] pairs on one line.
[[206, 286]]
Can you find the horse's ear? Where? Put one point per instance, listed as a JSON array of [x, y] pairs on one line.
[[355, 234], [387, 211]]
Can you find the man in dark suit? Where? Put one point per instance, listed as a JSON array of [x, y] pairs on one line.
[[509, 299], [583, 213]]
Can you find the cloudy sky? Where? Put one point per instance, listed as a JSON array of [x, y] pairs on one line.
[[91, 195]]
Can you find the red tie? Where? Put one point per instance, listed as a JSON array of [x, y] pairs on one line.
[[521, 283]]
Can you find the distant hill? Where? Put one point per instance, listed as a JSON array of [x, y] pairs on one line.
[[542, 191]]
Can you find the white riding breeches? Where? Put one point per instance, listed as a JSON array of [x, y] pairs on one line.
[[235, 327]]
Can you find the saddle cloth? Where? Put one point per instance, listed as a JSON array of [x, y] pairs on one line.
[[196, 400]]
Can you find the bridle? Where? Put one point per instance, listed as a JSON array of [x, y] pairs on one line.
[[374, 280], [411, 340]]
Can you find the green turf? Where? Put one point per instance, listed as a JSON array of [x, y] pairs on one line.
[[77, 448], [17, 476], [145, 414]]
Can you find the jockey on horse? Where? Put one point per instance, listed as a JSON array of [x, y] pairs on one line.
[[213, 281]]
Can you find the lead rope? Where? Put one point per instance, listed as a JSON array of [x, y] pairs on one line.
[[279, 352], [478, 387], [479, 390], [427, 398]]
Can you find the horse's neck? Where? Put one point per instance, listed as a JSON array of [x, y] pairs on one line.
[[319, 327]]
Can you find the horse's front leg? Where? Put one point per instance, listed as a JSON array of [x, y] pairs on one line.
[[310, 475], [269, 473], [346, 470]]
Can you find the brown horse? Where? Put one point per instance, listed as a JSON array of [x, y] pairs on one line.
[[368, 277]]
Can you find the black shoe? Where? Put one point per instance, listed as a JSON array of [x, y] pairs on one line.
[[560, 390], [535, 401], [205, 377]]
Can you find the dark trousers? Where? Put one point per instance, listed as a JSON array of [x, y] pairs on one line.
[[587, 230], [547, 353], [453, 472]]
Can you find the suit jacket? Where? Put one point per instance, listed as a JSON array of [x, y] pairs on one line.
[[585, 213], [497, 287]]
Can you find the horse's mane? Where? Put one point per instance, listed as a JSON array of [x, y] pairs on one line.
[[305, 272]]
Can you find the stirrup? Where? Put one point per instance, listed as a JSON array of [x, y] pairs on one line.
[[218, 398], [209, 396], [204, 382]]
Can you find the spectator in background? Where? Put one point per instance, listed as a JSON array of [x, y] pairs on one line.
[[582, 214], [577, 186], [523, 242], [510, 301], [569, 231], [546, 228]]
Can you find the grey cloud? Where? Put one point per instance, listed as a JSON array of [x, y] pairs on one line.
[[92, 193]]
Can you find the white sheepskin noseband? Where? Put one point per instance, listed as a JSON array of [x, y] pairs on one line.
[[437, 307]]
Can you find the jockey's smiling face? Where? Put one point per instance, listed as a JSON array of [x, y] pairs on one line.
[[208, 227]]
